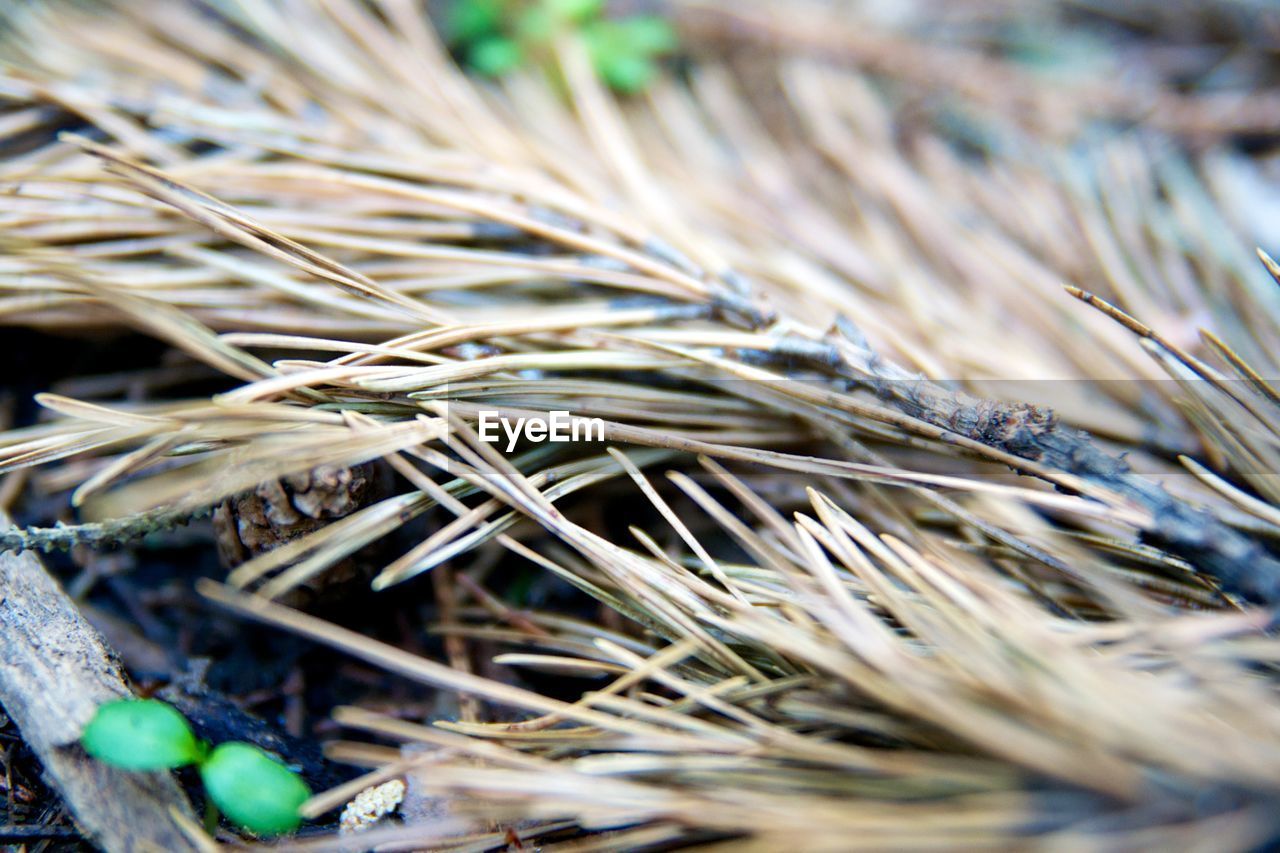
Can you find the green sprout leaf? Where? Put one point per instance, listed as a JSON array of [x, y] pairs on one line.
[[578, 11], [254, 790], [648, 34], [495, 56], [498, 36], [627, 73], [624, 65], [141, 734], [536, 24], [470, 20]]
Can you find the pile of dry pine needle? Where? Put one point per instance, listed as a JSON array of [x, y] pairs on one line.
[[880, 610]]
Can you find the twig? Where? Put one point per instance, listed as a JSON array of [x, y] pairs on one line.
[[116, 531], [54, 672]]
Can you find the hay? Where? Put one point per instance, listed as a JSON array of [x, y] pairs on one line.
[[882, 608]]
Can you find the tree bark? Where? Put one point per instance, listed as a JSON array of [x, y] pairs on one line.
[[55, 670]]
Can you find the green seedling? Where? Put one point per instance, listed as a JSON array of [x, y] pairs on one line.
[[494, 56], [498, 36], [577, 11], [251, 788], [623, 51], [471, 20], [141, 734]]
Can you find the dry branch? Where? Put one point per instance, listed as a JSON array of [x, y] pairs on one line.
[[54, 672]]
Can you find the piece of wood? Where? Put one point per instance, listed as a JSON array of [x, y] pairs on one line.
[[54, 672]]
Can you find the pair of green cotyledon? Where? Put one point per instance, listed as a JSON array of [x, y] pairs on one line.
[[495, 37], [253, 790]]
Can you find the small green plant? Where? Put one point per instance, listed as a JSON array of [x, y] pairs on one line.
[[142, 734], [251, 788], [496, 36]]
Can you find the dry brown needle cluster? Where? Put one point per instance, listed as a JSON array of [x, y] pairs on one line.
[[910, 548]]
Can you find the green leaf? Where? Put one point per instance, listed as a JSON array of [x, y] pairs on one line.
[[627, 73], [469, 20], [537, 23], [141, 734], [495, 56], [623, 66], [254, 790], [577, 11], [648, 34]]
